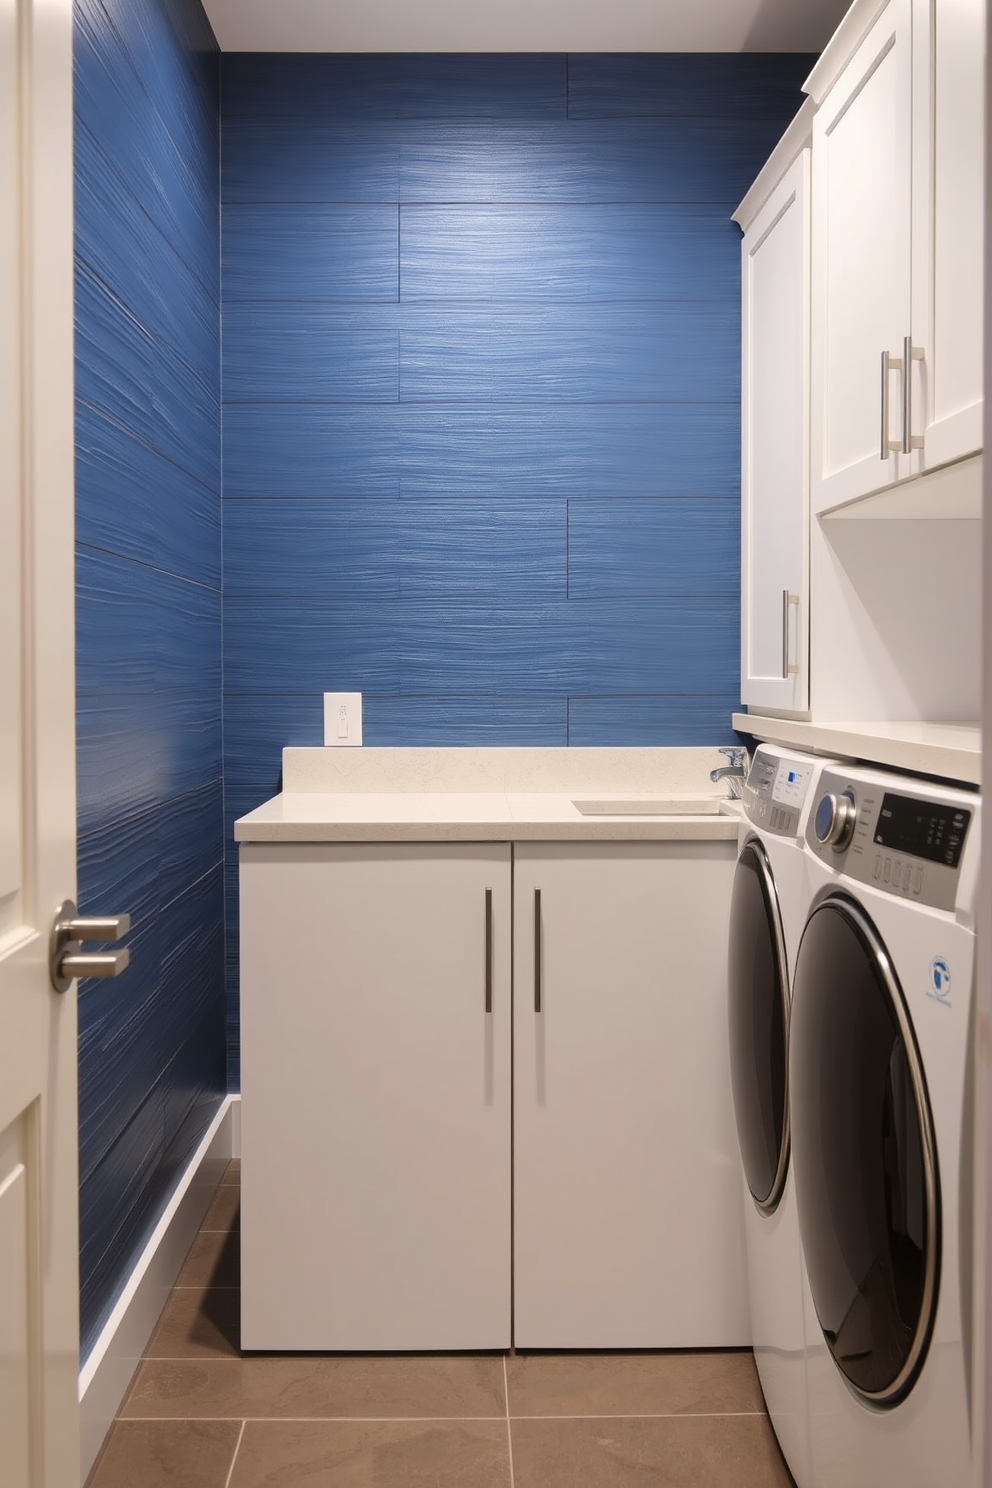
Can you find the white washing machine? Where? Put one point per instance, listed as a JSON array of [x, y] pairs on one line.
[[766, 920], [879, 1079]]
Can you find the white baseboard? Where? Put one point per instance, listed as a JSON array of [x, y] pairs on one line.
[[108, 1370]]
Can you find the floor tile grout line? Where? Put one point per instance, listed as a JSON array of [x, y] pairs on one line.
[[237, 1449], [509, 1432], [409, 1420]]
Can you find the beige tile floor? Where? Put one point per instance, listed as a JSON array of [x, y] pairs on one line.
[[203, 1415]]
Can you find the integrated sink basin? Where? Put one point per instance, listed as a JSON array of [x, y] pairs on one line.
[[652, 806]]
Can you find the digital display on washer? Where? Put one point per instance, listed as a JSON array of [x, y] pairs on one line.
[[925, 829]]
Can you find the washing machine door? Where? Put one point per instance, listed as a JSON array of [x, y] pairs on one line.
[[759, 1026], [864, 1153]]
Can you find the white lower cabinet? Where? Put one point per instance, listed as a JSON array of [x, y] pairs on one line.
[[376, 1097], [376, 1127], [627, 1207]]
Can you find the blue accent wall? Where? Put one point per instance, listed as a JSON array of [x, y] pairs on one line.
[[481, 372], [151, 1053]]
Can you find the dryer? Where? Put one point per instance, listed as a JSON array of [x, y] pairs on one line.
[[879, 1072], [766, 920]]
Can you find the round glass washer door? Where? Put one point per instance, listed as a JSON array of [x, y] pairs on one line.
[[865, 1155], [759, 1027]]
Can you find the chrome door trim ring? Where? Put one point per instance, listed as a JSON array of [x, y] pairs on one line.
[[770, 1202], [898, 1388]]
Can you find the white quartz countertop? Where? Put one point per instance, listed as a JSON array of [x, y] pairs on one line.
[[426, 816], [471, 795]]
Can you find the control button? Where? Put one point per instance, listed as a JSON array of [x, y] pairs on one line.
[[886, 870], [918, 882], [907, 877], [877, 870]]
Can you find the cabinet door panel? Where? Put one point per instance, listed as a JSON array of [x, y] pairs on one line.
[[376, 1097], [775, 339], [862, 225], [628, 1225], [953, 343]]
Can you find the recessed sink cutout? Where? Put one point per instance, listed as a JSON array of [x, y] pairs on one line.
[[651, 806]]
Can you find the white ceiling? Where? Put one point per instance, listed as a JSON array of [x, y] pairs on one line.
[[524, 25]]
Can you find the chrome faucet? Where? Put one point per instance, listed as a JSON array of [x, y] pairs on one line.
[[735, 772]]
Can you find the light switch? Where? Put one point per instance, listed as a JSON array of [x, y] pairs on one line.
[[342, 718]]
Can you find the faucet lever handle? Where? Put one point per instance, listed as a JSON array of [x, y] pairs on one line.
[[737, 756]]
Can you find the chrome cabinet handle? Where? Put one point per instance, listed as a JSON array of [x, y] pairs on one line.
[[489, 950], [910, 354], [537, 950], [66, 959], [789, 668], [888, 446]]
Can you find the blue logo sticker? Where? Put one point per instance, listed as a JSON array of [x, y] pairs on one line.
[[940, 980]]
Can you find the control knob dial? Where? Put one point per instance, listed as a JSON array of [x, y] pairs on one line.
[[835, 819]]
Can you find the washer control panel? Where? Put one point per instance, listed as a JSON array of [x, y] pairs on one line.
[[775, 791], [903, 842]]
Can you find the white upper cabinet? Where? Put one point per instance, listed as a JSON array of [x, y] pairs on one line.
[[775, 463], [897, 251]]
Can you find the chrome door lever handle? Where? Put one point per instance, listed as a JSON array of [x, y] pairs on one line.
[[65, 958]]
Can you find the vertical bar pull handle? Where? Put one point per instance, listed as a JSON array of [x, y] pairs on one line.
[[489, 950], [789, 668], [888, 446], [537, 950], [910, 354]]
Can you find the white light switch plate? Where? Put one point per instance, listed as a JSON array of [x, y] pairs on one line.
[[342, 718]]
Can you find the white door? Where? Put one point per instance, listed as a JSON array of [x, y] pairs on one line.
[[628, 1215], [774, 454], [861, 287], [948, 183], [375, 1151], [39, 1295]]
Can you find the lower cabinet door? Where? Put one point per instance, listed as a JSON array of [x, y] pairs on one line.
[[375, 1004], [628, 1219]]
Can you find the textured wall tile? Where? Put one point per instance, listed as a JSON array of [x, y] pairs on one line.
[[598, 251], [653, 547], [133, 501], [446, 721], [315, 450], [168, 182], [133, 751], [258, 726], [652, 160], [728, 85], [464, 451], [394, 86], [345, 549], [683, 353], [172, 49], [673, 720], [498, 548], [308, 159], [143, 861], [615, 646], [304, 644], [568, 450], [338, 251], [139, 630], [307, 353], [124, 248]]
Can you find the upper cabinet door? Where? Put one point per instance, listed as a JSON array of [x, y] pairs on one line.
[[774, 466], [862, 265], [949, 180]]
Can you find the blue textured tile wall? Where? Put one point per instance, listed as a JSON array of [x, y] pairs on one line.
[[481, 357], [152, 1044]]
